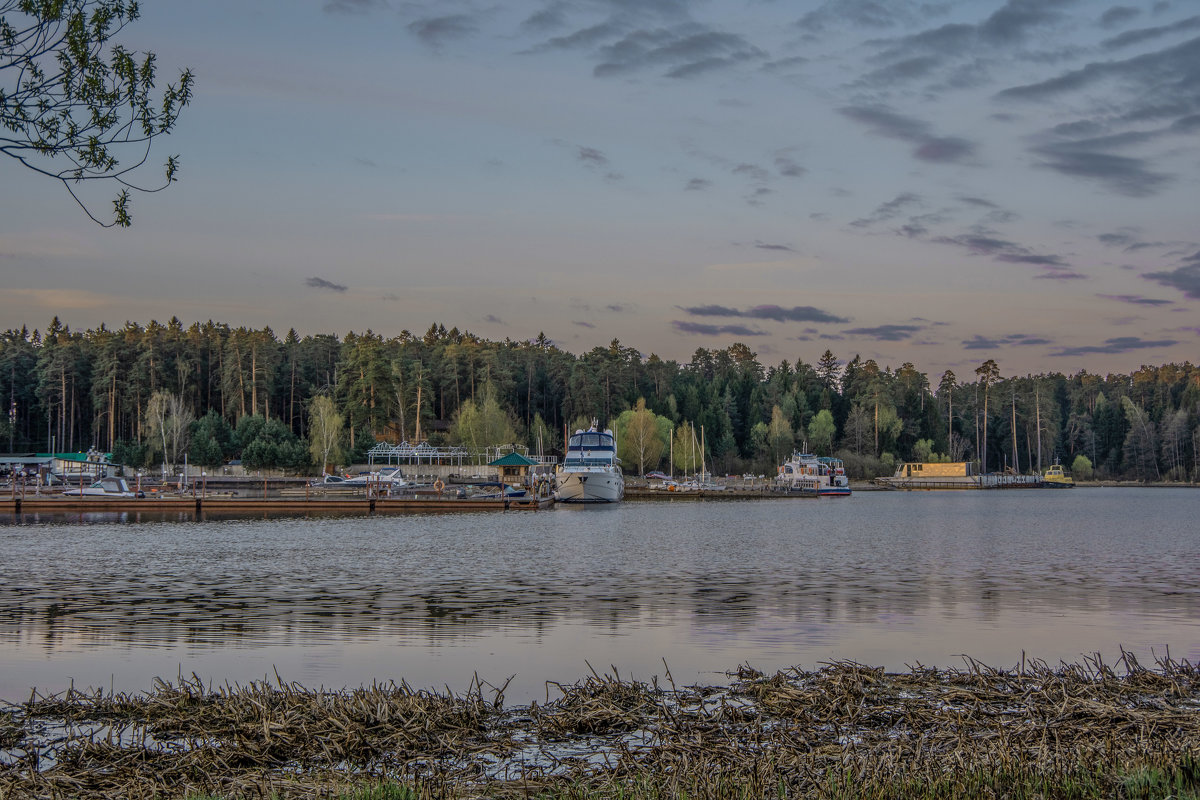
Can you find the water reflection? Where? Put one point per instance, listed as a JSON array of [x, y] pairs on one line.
[[891, 578]]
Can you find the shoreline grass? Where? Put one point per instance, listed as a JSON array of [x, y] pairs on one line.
[[843, 732]]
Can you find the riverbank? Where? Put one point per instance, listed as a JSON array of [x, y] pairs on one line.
[[843, 731]]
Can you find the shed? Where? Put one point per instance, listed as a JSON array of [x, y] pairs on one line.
[[513, 467]]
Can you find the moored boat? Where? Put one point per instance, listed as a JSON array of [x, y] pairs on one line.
[[809, 474], [915, 475], [105, 487], [590, 472], [1057, 478]]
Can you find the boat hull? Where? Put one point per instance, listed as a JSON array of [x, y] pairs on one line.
[[991, 481], [589, 487]]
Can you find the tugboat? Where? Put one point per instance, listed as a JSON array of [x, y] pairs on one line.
[[1056, 478]]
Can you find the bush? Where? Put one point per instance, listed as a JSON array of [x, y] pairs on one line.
[[1081, 468]]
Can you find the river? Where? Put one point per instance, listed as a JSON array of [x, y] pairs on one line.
[[889, 579]]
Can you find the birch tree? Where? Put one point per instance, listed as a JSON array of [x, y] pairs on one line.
[[325, 431], [641, 436], [168, 420]]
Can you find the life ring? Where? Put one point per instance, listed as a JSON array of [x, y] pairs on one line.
[[438, 485]]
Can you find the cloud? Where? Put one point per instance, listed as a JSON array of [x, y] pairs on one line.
[[1136, 300], [861, 14], [1117, 239], [353, 6], [882, 121], [1185, 278], [701, 329], [591, 157], [1146, 34], [1122, 174], [789, 168], [1015, 18], [1061, 275], [982, 244], [583, 324], [979, 342], [437, 31], [1120, 344], [492, 318], [321, 283], [616, 308], [681, 51], [697, 185], [1118, 15], [545, 19], [900, 71], [771, 312], [965, 47], [886, 333], [59, 299], [752, 171], [783, 247], [584, 37], [888, 210], [1150, 74]]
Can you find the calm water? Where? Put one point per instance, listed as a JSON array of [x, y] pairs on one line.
[[888, 579]]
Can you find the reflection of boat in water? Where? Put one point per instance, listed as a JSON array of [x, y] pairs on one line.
[[1056, 478], [105, 487], [809, 474], [954, 475], [590, 472]]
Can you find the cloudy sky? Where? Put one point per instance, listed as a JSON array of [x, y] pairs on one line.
[[934, 182]]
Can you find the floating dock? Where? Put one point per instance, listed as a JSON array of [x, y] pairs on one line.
[[268, 506]]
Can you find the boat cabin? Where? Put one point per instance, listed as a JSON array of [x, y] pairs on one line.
[[925, 469], [591, 449]]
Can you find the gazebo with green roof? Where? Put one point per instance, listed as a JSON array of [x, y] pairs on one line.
[[513, 467]]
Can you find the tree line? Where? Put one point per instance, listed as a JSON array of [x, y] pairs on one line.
[[152, 393]]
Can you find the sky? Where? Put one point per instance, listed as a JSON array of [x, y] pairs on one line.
[[930, 182]]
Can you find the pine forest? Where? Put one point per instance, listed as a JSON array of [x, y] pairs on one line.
[[150, 394]]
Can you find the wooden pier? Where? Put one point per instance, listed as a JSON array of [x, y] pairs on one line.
[[219, 505]]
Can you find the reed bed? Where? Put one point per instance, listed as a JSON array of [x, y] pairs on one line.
[[845, 730]]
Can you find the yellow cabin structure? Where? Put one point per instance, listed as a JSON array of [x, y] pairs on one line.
[[953, 469]]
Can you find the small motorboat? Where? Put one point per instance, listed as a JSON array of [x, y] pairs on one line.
[[105, 487]]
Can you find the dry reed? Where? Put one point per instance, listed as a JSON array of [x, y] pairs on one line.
[[845, 730]]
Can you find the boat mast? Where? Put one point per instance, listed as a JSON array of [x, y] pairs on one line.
[[671, 451]]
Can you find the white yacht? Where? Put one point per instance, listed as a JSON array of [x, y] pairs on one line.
[[591, 471], [806, 473]]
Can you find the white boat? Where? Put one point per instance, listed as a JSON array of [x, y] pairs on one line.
[[809, 474], [590, 472], [393, 478], [390, 478], [105, 487]]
